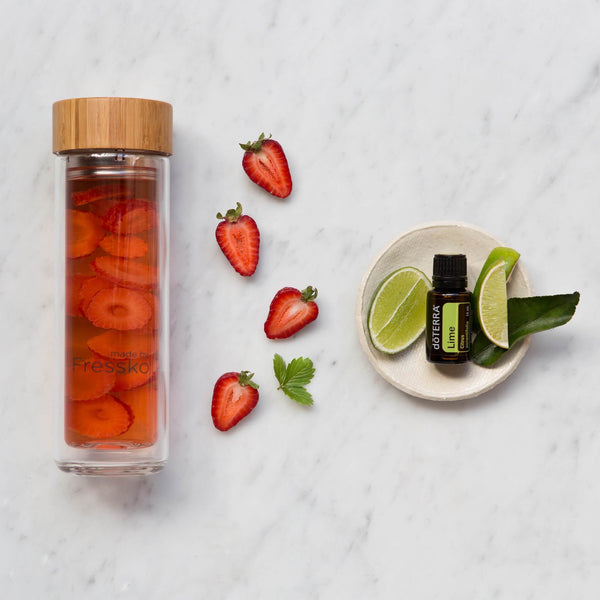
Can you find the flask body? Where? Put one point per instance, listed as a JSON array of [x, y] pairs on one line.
[[112, 210]]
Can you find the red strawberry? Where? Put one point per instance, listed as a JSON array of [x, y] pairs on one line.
[[265, 163], [133, 216], [125, 272], [124, 246], [89, 288], [235, 395], [108, 191], [84, 383], [73, 287], [84, 232], [154, 321], [239, 239], [118, 308], [136, 372], [99, 418], [123, 344], [290, 311]]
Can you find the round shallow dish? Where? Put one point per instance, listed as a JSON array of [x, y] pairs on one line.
[[409, 370]]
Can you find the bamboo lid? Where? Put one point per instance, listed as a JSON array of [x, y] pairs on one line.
[[112, 124]]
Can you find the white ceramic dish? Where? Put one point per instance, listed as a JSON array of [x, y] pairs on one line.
[[409, 370]]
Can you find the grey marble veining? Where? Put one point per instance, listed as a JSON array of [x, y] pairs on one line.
[[391, 114]]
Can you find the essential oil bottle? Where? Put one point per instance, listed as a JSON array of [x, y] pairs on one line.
[[112, 200], [449, 311]]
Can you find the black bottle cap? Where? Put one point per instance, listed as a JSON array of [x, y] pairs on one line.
[[450, 271]]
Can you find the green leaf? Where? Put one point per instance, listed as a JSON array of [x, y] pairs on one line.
[[299, 394], [526, 316], [279, 368], [299, 372], [294, 377]]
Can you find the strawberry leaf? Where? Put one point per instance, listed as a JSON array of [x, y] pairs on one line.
[[299, 372], [294, 377], [299, 394], [279, 368]]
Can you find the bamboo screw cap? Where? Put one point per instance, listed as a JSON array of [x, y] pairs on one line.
[[112, 124]]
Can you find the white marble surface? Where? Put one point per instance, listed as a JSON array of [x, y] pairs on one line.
[[392, 114]]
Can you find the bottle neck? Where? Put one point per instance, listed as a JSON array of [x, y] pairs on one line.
[[450, 284]]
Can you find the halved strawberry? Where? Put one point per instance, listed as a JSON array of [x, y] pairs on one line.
[[129, 217], [83, 231], [89, 288], [87, 378], [107, 191], [265, 163], [239, 239], [104, 417], [234, 396], [290, 311], [118, 308], [73, 288], [117, 344], [125, 246], [133, 372], [125, 272]]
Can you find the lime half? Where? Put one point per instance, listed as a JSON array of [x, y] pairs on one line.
[[398, 310], [491, 305]]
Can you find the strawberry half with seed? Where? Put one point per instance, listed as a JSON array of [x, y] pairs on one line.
[[265, 163], [290, 311], [234, 397], [239, 239]]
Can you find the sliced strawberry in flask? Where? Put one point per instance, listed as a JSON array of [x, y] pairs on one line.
[[105, 191], [143, 402], [87, 378], [83, 232], [133, 372], [126, 272], [74, 284], [103, 417], [123, 344], [133, 216], [119, 308], [125, 246]]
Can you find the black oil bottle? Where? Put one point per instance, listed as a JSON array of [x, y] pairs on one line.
[[449, 311]]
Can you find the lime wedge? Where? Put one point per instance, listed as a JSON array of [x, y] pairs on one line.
[[491, 305], [398, 310], [510, 258]]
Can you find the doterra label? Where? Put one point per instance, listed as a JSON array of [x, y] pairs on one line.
[[455, 326]]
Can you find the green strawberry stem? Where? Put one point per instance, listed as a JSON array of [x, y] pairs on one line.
[[232, 215], [245, 378], [309, 294], [255, 146]]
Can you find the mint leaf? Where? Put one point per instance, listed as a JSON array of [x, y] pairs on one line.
[[294, 377], [526, 316]]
